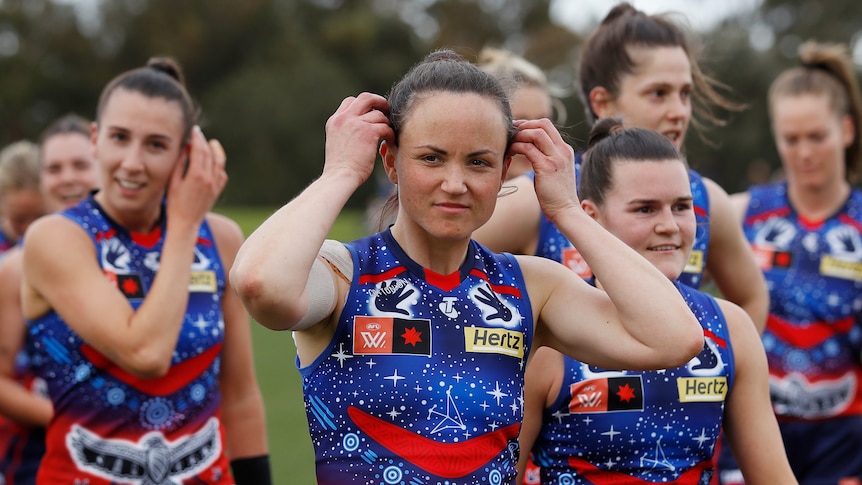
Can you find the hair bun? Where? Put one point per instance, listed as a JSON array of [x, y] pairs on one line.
[[167, 66], [604, 128]]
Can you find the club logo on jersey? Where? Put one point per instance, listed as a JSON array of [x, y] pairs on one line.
[[702, 389], [394, 296], [152, 259], [495, 310], [845, 254], [447, 307], [130, 285], [388, 336], [607, 395], [708, 363], [695, 262], [775, 233], [494, 341], [593, 372], [574, 261], [794, 395], [115, 256], [151, 461]]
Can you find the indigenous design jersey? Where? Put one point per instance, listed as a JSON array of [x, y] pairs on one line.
[[814, 273], [554, 245], [110, 426], [423, 381], [24, 445], [612, 427], [21, 447]]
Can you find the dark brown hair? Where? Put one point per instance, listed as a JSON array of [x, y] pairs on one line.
[[442, 71], [160, 78], [610, 143], [605, 60]]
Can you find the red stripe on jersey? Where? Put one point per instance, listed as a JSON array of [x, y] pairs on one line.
[[178, 376], [503, 290], [598, 476], [377, 278], [448, 460], [715, 338], [807, 335], [149, 239]]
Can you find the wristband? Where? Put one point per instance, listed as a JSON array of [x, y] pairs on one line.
[[251, 471]]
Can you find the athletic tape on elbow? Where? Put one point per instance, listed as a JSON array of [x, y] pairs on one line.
[[321, 295]]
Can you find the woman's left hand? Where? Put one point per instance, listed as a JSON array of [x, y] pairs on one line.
[[553, 162]]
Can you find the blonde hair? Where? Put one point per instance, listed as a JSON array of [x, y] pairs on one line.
[[19, 167], [515, 72]]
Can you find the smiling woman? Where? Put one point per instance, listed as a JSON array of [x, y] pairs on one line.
[[129, 319]]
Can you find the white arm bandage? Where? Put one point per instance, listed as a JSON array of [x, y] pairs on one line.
[[320, 287]]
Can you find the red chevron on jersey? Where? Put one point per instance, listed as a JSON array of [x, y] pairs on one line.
[[448, 460], [808, 335], [178, 376], [597, 476], [504, 290], [377, 278]]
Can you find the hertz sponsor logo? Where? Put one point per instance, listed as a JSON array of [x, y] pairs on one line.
[[702, 389], [694, 265], [494, 341], [202, 282], [846, 270]]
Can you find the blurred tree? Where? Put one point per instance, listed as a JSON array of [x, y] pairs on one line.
[[268, 73]]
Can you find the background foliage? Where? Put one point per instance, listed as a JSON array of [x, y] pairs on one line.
[[267, 73]]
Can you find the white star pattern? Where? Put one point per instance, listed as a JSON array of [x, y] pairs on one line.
[[497, 393], [200, 323], [395, 378], [611, 433], [341, 355], [702, 438]]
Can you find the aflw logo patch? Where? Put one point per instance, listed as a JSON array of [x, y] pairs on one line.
[[130, 285], [607, 395], [387, 335]]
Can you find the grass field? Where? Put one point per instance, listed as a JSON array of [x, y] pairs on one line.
[[289, 444]]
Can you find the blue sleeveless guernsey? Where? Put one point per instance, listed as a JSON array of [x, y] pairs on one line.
[[623, 427], [553, 244], [813, 335], [423, 381], [111, 426]]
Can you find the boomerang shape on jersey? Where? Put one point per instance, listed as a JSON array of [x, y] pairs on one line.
[[448, 460], [151, 461], [597, 476]]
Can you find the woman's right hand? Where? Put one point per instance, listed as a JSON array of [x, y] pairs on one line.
[[195, 186], [353, 135]]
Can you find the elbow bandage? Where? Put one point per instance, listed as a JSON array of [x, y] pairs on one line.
[[320, 287]]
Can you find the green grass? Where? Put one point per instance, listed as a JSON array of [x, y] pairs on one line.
[[291, 453]]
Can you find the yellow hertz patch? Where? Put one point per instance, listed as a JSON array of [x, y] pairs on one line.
[[836, 268], [702, 389], [203, 282], [494, 341], [695, 263]]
